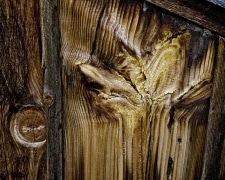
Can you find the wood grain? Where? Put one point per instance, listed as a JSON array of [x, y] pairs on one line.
[[22, 145], [203, 13], [214, 159], [51, 63], [136, 85]]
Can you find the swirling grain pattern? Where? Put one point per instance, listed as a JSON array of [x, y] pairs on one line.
[[137, 83]]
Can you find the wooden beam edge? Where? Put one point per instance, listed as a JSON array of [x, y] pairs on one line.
[[204, 14]]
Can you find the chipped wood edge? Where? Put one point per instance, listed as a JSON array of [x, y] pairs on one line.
[[51, 64]]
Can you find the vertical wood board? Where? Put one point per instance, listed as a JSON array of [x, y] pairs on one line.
[[22, 116], [137, 83], [52, 85], [213, 159]]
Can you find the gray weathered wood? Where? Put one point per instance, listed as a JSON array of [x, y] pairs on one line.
[[52, 85], [216, 121]]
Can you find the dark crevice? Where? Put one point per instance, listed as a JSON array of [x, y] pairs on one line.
[[169, 167], [179, 139], [148, 157], [170, 124], [175, 35]]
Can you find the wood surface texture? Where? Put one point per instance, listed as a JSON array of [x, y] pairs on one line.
[[120, 89], [22, 115], [203, 13], [51, 63], [214, 159], [136, 89]]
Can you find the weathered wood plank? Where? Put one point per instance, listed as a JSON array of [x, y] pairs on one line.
[[136, 85], [201, 12], [213, 158], [52, 85], [22, 117]]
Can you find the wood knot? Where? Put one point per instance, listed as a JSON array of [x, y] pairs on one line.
[[47, 99], [28, 127]]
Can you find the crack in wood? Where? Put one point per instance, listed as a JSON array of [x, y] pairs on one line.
[[146, 84]]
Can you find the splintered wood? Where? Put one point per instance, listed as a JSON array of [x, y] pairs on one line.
[[136, 85]]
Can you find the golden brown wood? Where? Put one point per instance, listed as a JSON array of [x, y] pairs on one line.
[[136, 86], [136, 89], [22, 118], [28, 127]]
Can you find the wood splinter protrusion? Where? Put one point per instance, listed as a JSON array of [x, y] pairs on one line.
[[28, 127]]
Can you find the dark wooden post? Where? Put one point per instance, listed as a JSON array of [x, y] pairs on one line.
[[52, 85]]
